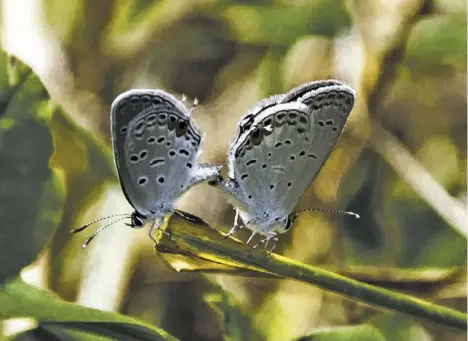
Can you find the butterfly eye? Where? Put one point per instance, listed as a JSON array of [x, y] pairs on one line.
[[137, 221], [288, 223]]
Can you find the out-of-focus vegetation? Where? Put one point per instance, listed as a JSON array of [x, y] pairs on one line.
[[400, 163]]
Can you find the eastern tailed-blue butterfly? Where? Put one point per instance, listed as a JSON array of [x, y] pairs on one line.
[[156, 148], [281, 145]]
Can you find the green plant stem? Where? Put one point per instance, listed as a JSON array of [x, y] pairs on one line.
[[194, 238]]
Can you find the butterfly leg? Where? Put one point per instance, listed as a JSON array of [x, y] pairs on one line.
[[275, 240], [157, 224], [151, 233], [251, 236], [236, 227], [265, 241]]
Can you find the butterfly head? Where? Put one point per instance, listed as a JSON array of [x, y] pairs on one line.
[[284, 225], [137, 220], [266, 224], [289, 221]]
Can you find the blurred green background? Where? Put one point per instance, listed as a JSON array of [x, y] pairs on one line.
[[401, 162]]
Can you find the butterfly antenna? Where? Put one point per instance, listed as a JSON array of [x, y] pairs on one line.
[[352, 214], [79, 229], [87, 241]]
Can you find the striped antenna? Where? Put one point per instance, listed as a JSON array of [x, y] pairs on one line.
[[352, 214], [87, 241], [79, 229]]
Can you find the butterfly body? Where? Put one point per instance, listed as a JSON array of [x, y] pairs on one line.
[[281, 146]]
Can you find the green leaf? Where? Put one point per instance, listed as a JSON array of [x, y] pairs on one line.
[[31, 192], [18, 299], [362, 332]]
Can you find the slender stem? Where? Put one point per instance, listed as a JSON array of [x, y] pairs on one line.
[[196, 239]]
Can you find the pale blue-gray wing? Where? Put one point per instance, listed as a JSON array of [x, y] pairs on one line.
[[299, 91], [330, 103], [156, 146], [269, 161], [295, 93], [230, 186], [247, 120]]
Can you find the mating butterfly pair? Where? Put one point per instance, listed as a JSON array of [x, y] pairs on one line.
[[281, 145]]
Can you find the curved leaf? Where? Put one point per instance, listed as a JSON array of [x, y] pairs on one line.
[[31, 192], [18, 299]]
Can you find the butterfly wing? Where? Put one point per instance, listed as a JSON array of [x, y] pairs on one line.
[[156, 146], [269, 160], [299, 91], [248, 119], [330, 104]]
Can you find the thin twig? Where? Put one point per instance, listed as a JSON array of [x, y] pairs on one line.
[[415, 175]]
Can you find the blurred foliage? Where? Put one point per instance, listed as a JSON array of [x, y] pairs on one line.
[[19, 300], [407, 61], [362, 332], [234, 320], [87, 167], [282, 24], [438, 42]]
